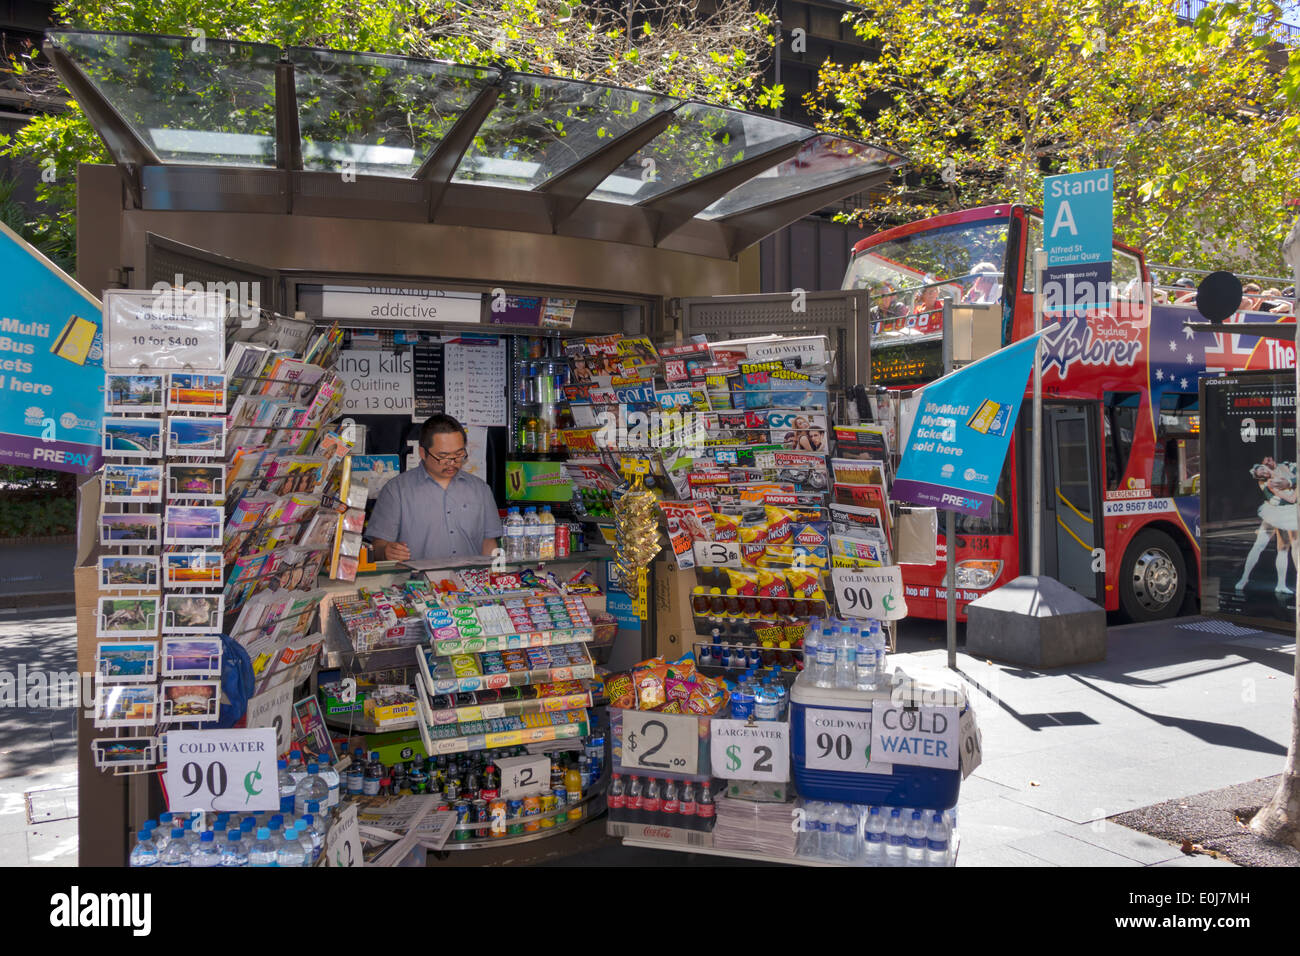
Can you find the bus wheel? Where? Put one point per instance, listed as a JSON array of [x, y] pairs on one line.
[[1153, 580]]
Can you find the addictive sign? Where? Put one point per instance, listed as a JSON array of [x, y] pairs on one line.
[[959, 440], [51, 364]]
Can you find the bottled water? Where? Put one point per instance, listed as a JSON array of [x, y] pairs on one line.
[[232, 850], [742, 699], [292, 852], [767, 705], [176, 853], [262, 852], [845, 820], [145, 852], [514, 536], [357, 772], [916, 840], [895, 839], [873, 831], [846, 654], [331, 778], [546, 536], [285, 782], [937, 842], [297, 769], [277, 833], [809, 842], [882, 670], [532, 534], [866, 660], [311, 789], [207, 853], [827, 644], [316, 833], [248, 829]]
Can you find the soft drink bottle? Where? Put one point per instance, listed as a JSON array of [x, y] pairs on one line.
[[895, 839], [686, 806], [671, 804], [636, 801], [617, 799], [873, 832], [653, 804], [706, 811], [937, 842], [546, 537]]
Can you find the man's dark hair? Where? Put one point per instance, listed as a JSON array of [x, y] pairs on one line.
[[440, 424]]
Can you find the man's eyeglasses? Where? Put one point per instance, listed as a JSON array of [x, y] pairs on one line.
[[455, 459]]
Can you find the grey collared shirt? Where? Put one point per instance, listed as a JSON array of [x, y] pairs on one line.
[[433, 522]]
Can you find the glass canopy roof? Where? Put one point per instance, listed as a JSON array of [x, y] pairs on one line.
[[186, 102]]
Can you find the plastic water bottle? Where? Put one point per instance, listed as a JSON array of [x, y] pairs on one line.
[[311, 789], [285, 782], [782, 695], [809, 842], [232, 850], [145, 851], [297, 769], [916, 840], [882, 671], [895, 839], [845, 820], [937, 842], [207, 853], [514, 536], [262, 852], [866, 659], [846, 656], [873, 832], [176, 853], [357, 773], [742, 699], [546, 536], [316, 833], [276, 827], [767, 705], [331, 778], [532, 534], [824, 675]]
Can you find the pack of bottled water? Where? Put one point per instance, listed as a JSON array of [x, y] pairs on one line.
[[846, 653], [858, 835]]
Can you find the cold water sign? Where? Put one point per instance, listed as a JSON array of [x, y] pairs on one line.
[[1078, 226], [917, 736]]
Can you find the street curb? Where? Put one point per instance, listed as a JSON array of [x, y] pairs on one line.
[[52, 539], [39, 599]]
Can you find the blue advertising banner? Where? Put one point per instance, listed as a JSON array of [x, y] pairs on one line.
[[618, 603], [51, 364], [1078, 228], [954, 454]]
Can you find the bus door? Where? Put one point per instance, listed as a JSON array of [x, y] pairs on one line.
[[1072, 519]]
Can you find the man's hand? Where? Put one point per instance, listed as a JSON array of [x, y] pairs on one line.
[[397, 551]]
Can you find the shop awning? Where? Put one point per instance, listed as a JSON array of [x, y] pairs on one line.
[[202, 124]]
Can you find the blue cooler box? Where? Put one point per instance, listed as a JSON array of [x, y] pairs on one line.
[[907, 786]]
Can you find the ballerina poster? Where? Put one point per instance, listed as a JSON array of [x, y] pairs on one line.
[[1248, 494]]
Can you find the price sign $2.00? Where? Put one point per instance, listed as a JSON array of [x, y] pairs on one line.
[[665, 742]]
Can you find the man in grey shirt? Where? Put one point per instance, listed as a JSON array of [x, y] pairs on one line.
[[435, 510]]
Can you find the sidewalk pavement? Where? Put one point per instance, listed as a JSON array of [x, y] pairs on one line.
[[1176, 709], [37, 574]]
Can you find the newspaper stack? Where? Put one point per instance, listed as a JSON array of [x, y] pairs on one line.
[[766, 828]]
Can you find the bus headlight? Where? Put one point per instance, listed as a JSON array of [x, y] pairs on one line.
[[977, 575]]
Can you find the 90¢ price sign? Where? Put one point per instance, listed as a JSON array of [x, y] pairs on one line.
[[221, 770], [875, 593], [739, 750], [665, 742]]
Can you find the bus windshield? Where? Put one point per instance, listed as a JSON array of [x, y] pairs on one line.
[[969, 254]]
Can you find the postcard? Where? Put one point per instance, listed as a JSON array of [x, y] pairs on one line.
[[127, 617], [196, 482], [133, 393], [126, 661], [132, 483], [128, 572], [191, 657], [194, 525], [196, 392], [192, 613], [125, 751], [183, 569], [190, 701], [133, 437], [196, 437], [126, 529], [126, 705]]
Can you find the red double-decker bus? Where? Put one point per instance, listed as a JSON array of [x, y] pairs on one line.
[[1121, 446]]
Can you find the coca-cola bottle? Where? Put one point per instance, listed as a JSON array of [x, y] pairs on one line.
[[653, 805], [671, 806], [686, 807], [706, 812], [635, 802], [617, 799]]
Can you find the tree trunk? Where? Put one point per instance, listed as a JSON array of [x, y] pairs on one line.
[[1279, 820]]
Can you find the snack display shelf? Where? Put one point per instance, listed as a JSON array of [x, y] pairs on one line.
[[510, 708], [338, 652], [435, 744], [468, 683], [592, 806], [446, 647], [360, 724]]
